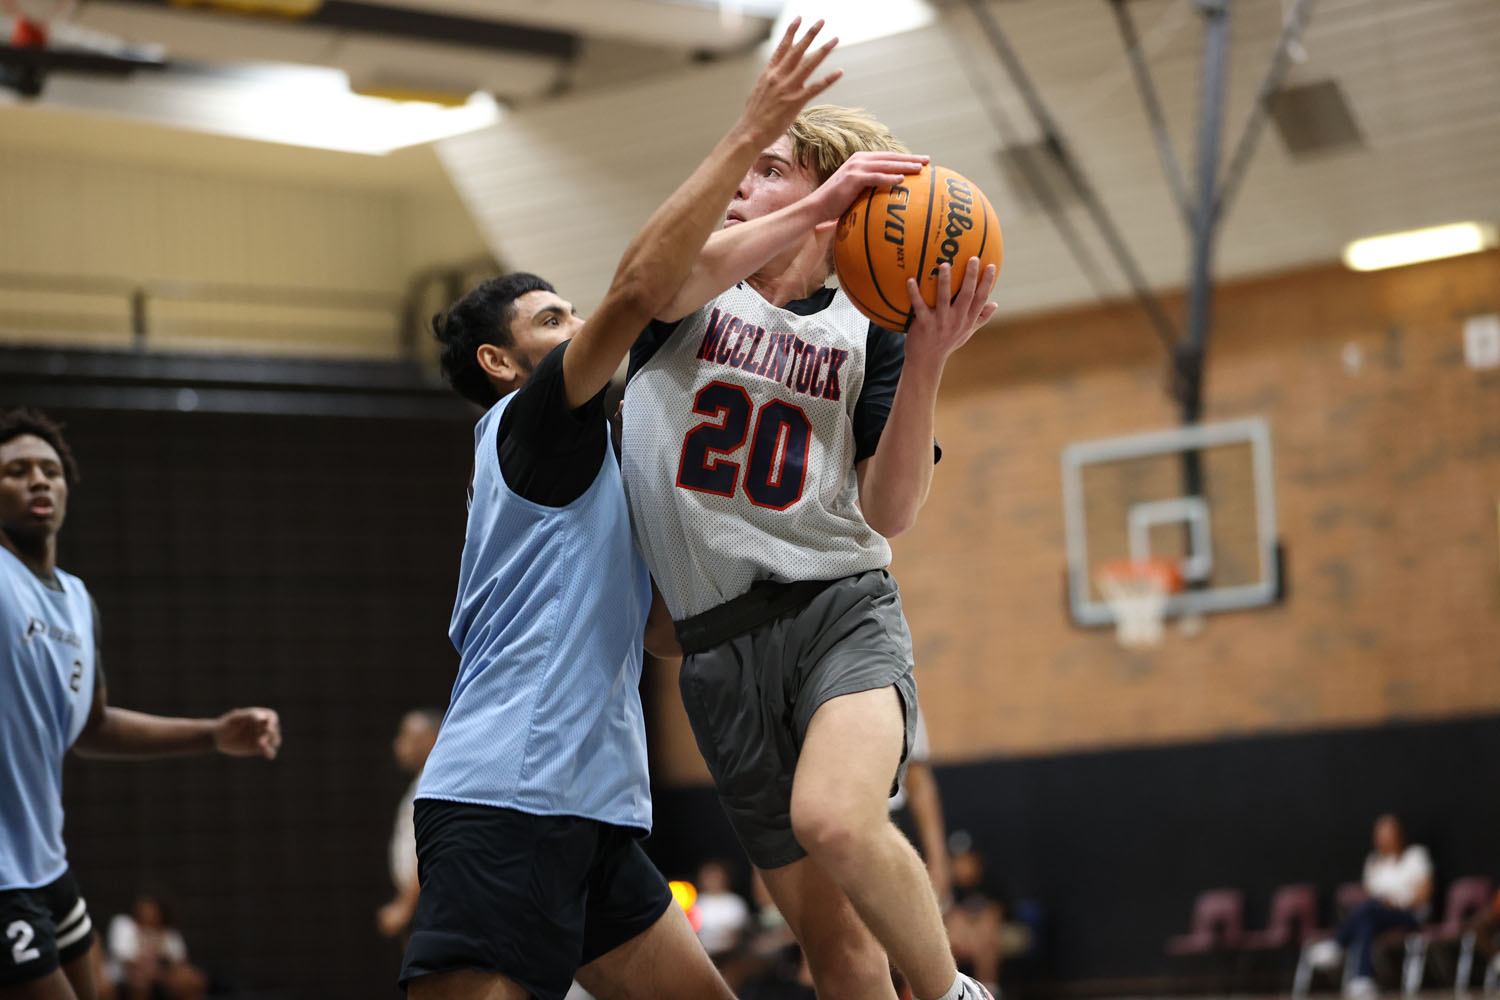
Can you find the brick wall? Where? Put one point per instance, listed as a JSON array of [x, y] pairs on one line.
[[1387, 483]]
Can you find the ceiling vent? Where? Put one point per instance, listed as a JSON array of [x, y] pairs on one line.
[[1314, 119]]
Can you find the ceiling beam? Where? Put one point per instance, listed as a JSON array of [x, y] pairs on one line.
[[422, 25], [694, 25]]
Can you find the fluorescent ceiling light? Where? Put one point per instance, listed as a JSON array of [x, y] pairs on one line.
[[1417, 245], [732, 13], [297, 105], [855, 21], [309, 106], [754, 8]]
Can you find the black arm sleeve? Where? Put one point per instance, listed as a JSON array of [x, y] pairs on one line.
[[649, 342], [885, 353], [550, 454]]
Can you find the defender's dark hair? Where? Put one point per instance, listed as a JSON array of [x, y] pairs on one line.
[[23, 420], [481, 317]]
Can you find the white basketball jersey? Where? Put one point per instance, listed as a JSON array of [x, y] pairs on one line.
[[738, 450]]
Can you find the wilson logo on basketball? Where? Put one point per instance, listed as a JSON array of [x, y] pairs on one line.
[[940, 216], [960, 220]]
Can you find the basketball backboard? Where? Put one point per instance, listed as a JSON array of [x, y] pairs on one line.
[[1133, 498]]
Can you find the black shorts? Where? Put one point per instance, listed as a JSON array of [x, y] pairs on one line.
[[531, 898], [42, 928], [750, 699]]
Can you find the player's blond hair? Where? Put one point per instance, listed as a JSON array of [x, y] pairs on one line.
[[826, 135]]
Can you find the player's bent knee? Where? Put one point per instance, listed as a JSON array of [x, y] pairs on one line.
[[833, 828], [825, 831]]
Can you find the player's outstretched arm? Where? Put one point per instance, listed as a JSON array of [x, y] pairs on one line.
[[119, 732], [734, 253], [894, 482], [660, 257]]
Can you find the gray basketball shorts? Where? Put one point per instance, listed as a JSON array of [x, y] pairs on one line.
[[750, 699]]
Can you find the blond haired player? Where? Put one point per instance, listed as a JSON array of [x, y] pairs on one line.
[[773, 440], [531, 805]]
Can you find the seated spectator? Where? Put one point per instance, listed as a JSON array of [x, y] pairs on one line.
[[788, 978], [1398, 879], [769, 933], [148, 956], [413, 743], [977, 931], [725, 916], [1485, 926], [771, 966], [1486, 930]]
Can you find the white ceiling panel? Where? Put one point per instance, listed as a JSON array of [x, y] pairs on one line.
[[560, 188], [695, 24], [211, 38], [205, 36]]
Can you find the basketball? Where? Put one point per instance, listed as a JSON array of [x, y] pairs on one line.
[[893, 233]]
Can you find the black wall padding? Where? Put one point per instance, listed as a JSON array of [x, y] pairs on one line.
[[1115, 845], [307, 564]]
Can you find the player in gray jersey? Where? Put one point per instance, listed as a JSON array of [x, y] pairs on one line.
[[52, 697], [773, 440]]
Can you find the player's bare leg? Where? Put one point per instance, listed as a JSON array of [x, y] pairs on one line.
[[976, 938], [53, 986], [80, 973], [839, 814], [846, 961], [74, 981], [465, 984], [666, 962]]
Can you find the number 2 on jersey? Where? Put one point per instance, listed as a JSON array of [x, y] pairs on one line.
[[777, 465], [21, 934]]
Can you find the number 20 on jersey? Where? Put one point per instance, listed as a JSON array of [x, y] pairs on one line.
[[777, 464]]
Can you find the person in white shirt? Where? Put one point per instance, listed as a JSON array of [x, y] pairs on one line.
[[148, 956], [724, 914], [413, 742], [1398, 879]]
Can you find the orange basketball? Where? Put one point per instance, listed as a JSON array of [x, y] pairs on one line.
[[894, 233]]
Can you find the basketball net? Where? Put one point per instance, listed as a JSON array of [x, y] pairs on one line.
[[1137, 591]]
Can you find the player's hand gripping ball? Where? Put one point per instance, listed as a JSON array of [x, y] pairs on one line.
[[905, 231]]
